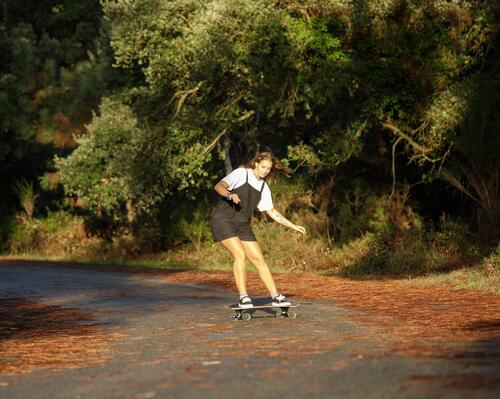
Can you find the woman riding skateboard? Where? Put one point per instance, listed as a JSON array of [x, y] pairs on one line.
[[242, 192]]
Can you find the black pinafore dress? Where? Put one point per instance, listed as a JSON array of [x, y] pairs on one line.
[[233, 220]]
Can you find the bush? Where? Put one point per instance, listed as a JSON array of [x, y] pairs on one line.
[[58, 234], [491, 264], [7, 226], [413, 251]]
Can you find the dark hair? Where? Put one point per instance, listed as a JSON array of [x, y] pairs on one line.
[[268, 156]]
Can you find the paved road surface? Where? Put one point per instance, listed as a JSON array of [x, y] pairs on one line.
[[87, 333]]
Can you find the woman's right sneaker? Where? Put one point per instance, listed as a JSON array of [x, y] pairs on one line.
[[245, 303], [280, 300]]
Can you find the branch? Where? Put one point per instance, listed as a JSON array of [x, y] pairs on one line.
[[443, 173], [420, 151], [221, 113], [186, 20], [447, 176], [246, 116], [183, 95], [408, 139], [242, 118], [214, 141]]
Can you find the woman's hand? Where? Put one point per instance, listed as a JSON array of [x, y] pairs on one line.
[[300, 229], [234, 197]]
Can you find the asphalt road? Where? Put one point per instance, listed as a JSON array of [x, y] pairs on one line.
[[87, 333]]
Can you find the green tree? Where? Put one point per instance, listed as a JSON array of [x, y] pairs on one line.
[[341, 84], [54, 67]]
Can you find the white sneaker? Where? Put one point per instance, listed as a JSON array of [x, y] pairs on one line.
[[245, 302], [280, 300]]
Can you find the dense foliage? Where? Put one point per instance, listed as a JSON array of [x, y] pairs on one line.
[[386, 109], [54, 68]]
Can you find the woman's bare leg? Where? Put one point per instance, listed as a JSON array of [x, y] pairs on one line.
[[236, 248], [254, 253]]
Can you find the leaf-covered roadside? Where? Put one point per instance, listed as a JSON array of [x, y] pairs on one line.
[[422, 319]]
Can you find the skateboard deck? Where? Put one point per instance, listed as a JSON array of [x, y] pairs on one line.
[[281, 311]]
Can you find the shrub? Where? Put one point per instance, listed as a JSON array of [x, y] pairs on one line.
[[413, 251], [58, 234]]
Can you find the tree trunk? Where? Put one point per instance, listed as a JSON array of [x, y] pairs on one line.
[[226, 144], [130, 212]]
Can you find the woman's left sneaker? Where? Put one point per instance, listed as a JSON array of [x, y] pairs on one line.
[[280, 300], [245, 303]]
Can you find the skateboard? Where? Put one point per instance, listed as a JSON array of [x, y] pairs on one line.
[[281, 311]]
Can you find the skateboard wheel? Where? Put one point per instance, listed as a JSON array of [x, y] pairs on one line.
[[292, 314], [246, 316]]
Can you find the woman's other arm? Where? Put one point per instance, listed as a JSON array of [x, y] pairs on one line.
[[278, 217]]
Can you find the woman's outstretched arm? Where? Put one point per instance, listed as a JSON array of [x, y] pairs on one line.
[[278, 217]]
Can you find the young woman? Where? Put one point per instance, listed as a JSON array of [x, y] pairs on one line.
[[242, 191]]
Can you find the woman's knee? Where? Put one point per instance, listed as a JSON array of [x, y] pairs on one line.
[[259, 262], [239, 257]]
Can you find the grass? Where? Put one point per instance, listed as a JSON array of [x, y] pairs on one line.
[[482, 276], [473, 279], [153, 262], [448, 255]]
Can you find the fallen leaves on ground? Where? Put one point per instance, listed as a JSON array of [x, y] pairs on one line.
[[33, 335], [420, 318]]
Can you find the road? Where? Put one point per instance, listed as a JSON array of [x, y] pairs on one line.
[[78, 332]]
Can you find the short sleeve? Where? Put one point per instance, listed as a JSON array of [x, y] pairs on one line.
[[236, 178], [266, 200]]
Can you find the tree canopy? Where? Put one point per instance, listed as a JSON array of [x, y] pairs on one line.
[[403, 91]]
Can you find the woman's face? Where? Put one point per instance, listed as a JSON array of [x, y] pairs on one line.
[[262, 168]]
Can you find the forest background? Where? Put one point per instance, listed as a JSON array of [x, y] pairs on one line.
[[117, 118]]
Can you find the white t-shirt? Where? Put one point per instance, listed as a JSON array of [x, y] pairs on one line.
[[238, 177]]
